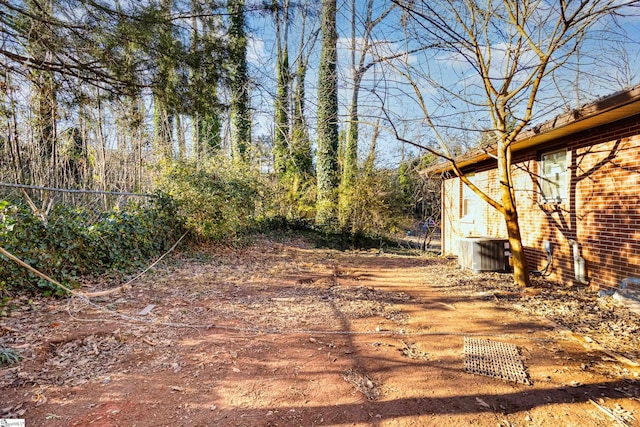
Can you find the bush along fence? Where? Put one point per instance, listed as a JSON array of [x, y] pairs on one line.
[[68, 233]]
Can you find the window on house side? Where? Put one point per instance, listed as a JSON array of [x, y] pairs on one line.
[[553, 177], [469, 199]]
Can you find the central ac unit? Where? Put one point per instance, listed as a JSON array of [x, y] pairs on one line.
[[483, 254]]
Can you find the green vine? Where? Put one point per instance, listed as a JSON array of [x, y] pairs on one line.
[[68, 245]]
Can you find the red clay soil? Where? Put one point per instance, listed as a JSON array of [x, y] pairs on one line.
[[281, 334]]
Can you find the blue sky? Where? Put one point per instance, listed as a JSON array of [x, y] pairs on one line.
[[609, 61]]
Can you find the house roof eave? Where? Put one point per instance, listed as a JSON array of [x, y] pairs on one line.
[[602, 111]]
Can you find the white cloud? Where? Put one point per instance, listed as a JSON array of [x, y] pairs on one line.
[[255, 51]]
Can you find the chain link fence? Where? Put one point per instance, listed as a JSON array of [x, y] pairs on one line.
[[92, 203], [66, 234]]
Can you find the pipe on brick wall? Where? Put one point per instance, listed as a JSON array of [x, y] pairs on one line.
[[579, 264]]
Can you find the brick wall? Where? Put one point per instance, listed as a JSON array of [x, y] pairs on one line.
[[602, 212]]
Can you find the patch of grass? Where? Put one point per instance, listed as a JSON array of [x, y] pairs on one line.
[[9, 356]]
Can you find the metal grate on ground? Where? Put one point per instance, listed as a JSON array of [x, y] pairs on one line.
[[495, 359]]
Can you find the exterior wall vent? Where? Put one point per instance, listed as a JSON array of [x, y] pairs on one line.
[[483, 254]]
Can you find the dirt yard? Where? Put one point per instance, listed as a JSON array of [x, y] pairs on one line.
[[281, 334]]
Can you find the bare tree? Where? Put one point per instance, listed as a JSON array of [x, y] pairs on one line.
[[489, 69], [364, 56]]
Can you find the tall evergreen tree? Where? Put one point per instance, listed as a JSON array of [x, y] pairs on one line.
[[204, 74], [164, 87], [44, 106], [327, 154]]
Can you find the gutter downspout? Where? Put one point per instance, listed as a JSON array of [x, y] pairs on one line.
[[579, 264], [442, 219]]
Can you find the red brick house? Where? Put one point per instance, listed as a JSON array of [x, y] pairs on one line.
[[577, 181]]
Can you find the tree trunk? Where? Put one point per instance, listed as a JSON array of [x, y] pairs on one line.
[[371, 157], [281, 149], [350, 156], [300, 144], [327, 154], [44, 102], [520, 266], [163, 105], [510, 213], [350, 159], [181, 137], [206, 122], [239, 108], [163, 126]]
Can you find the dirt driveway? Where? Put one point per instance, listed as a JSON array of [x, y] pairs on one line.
[[281, 334]]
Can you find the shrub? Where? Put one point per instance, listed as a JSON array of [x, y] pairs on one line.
[[216, 197], [68, 244], [376, 206]]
